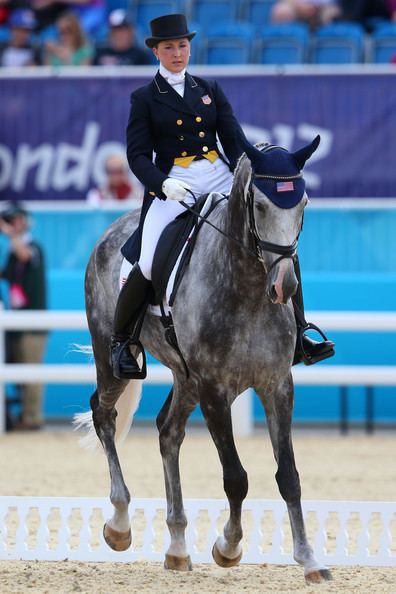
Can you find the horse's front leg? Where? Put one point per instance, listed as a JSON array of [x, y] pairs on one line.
[[278, 404], [116, 531], [227, 550], [171, 423]]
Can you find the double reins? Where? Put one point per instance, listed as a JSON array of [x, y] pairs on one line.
[[205, 220]]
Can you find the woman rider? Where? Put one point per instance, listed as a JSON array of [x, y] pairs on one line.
[[177, 116]]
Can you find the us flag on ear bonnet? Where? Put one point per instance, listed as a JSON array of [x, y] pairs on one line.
[[277, 173]]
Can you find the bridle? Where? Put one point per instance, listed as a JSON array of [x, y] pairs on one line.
[[261, 245]]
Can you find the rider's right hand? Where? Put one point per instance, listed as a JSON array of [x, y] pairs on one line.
[[174, 189]]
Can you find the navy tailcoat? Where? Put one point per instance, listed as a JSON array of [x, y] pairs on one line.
[[171, 126]]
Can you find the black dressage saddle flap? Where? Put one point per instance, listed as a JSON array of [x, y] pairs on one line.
[[169, 247]]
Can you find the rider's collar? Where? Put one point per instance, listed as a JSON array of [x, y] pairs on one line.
[[172, 78]]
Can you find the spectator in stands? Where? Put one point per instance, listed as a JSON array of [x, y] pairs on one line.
[[117, 185], [392, 9], [19, 51], [122, 49], [24, 272], [312, 12], [91, 13], [364, 11], [4, 10], [73, 48]]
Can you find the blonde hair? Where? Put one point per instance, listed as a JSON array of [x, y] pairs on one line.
[[73, 22]]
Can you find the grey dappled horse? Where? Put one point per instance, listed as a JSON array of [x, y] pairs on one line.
[[236, 329]]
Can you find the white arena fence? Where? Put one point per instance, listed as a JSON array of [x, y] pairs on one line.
[[59, 528], [344, 375]]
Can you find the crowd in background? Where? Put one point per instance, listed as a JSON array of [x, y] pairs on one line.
[[322, 12], [71, 41], [70, 32]]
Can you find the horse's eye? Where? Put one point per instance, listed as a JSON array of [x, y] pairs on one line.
[[260, 207]]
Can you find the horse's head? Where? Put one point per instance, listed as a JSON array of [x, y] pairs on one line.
[[270, 179]]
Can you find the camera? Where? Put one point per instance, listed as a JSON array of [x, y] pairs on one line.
[[4, 216]]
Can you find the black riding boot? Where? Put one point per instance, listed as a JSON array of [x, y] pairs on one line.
[[130, 310], [307, 350]]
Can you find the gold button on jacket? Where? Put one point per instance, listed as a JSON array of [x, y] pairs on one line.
[[205, 149], [179, 122], [201, 134], [198, 119]]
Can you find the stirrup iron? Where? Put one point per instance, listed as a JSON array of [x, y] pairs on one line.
[[308, 358]]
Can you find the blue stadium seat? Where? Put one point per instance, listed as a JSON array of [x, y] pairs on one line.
[[257, 12], [229, 42], [4, 34], [50, 33], [195, 43], [114, 4], [143, 11], [282, 44], [339, 43], [383, 40], [207, 12]]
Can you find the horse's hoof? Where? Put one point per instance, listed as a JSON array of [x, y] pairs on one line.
[[318, 576], [177, 563], [118, 541], [224, 561]]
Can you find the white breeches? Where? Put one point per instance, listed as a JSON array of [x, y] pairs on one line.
[[202, 176]]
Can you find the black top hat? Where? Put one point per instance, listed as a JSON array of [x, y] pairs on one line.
[[170, 26]]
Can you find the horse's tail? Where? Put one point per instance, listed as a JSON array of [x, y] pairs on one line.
[[126, 407]]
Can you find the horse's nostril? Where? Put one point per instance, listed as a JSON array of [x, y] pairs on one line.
[[273, 294]]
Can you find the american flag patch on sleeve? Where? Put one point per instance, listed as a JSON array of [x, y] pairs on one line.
[[285, 186]]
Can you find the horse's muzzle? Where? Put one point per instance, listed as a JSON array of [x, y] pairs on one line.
[[282, 283]]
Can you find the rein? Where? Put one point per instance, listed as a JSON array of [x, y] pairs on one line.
[[205, 220]]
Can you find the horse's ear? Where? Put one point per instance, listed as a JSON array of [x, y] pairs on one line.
[[302, 155], [242, 177]]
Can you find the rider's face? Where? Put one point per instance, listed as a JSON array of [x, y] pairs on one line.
[[173, 54]]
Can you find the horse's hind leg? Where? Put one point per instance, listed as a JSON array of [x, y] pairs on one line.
[[278, 406], [171, 423], [116, 531], [227, 550]]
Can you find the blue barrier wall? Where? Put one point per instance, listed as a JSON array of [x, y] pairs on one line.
[[348, 259]]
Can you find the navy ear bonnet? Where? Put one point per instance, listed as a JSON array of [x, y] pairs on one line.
[[277, 173], [284, 185]]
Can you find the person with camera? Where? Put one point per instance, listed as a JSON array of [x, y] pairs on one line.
[[24, 271]]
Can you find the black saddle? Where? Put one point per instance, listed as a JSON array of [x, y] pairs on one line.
[[169, 247]]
